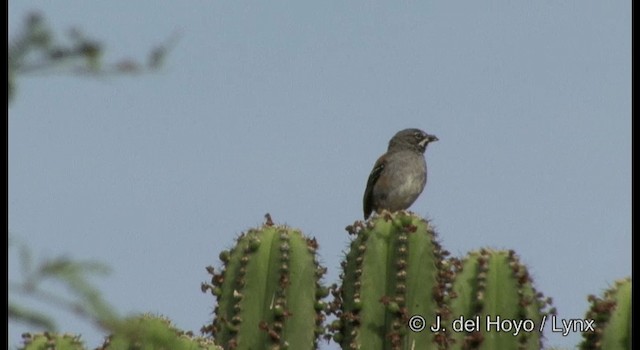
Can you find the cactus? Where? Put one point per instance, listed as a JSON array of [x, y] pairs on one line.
[[269, 293], [149, 331], [139, 332], [494, 291], [394, 270], [46, 341], [397, 286], [612, 316]]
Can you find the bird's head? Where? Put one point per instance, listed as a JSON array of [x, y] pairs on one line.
[[414, 139]]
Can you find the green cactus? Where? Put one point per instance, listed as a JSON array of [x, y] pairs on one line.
[[47, 341], [151, 332], [392, 272], [269, 294], [493, 292], [395, 276], [139, 333], [612, 316]]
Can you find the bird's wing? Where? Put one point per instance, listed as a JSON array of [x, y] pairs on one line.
[[367, 201]]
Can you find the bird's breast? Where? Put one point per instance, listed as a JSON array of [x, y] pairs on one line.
[[411, 172]]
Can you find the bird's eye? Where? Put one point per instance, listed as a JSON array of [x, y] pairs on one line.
[[418, 136]]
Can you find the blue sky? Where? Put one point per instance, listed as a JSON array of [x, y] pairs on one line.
[[284, 106]]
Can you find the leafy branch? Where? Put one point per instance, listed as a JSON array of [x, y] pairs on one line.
[[86, 300], [36, 50]]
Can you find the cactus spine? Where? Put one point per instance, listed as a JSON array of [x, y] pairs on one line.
[[612, 315], [269, 292], [492, 287], [392, 272]]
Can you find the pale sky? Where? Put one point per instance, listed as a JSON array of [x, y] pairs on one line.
[[284, 106]]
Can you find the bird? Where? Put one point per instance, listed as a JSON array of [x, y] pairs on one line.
[[399, 176]]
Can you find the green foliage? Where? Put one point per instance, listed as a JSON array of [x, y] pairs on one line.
[[269, 291], [82, 299], [37, 49], [393, 270], [29, 316], [492, 287], [612, 315]]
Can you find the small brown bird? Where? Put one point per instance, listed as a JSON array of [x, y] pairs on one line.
[[400, 175]]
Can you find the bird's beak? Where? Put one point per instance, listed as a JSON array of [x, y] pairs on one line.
[[428, 138]]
